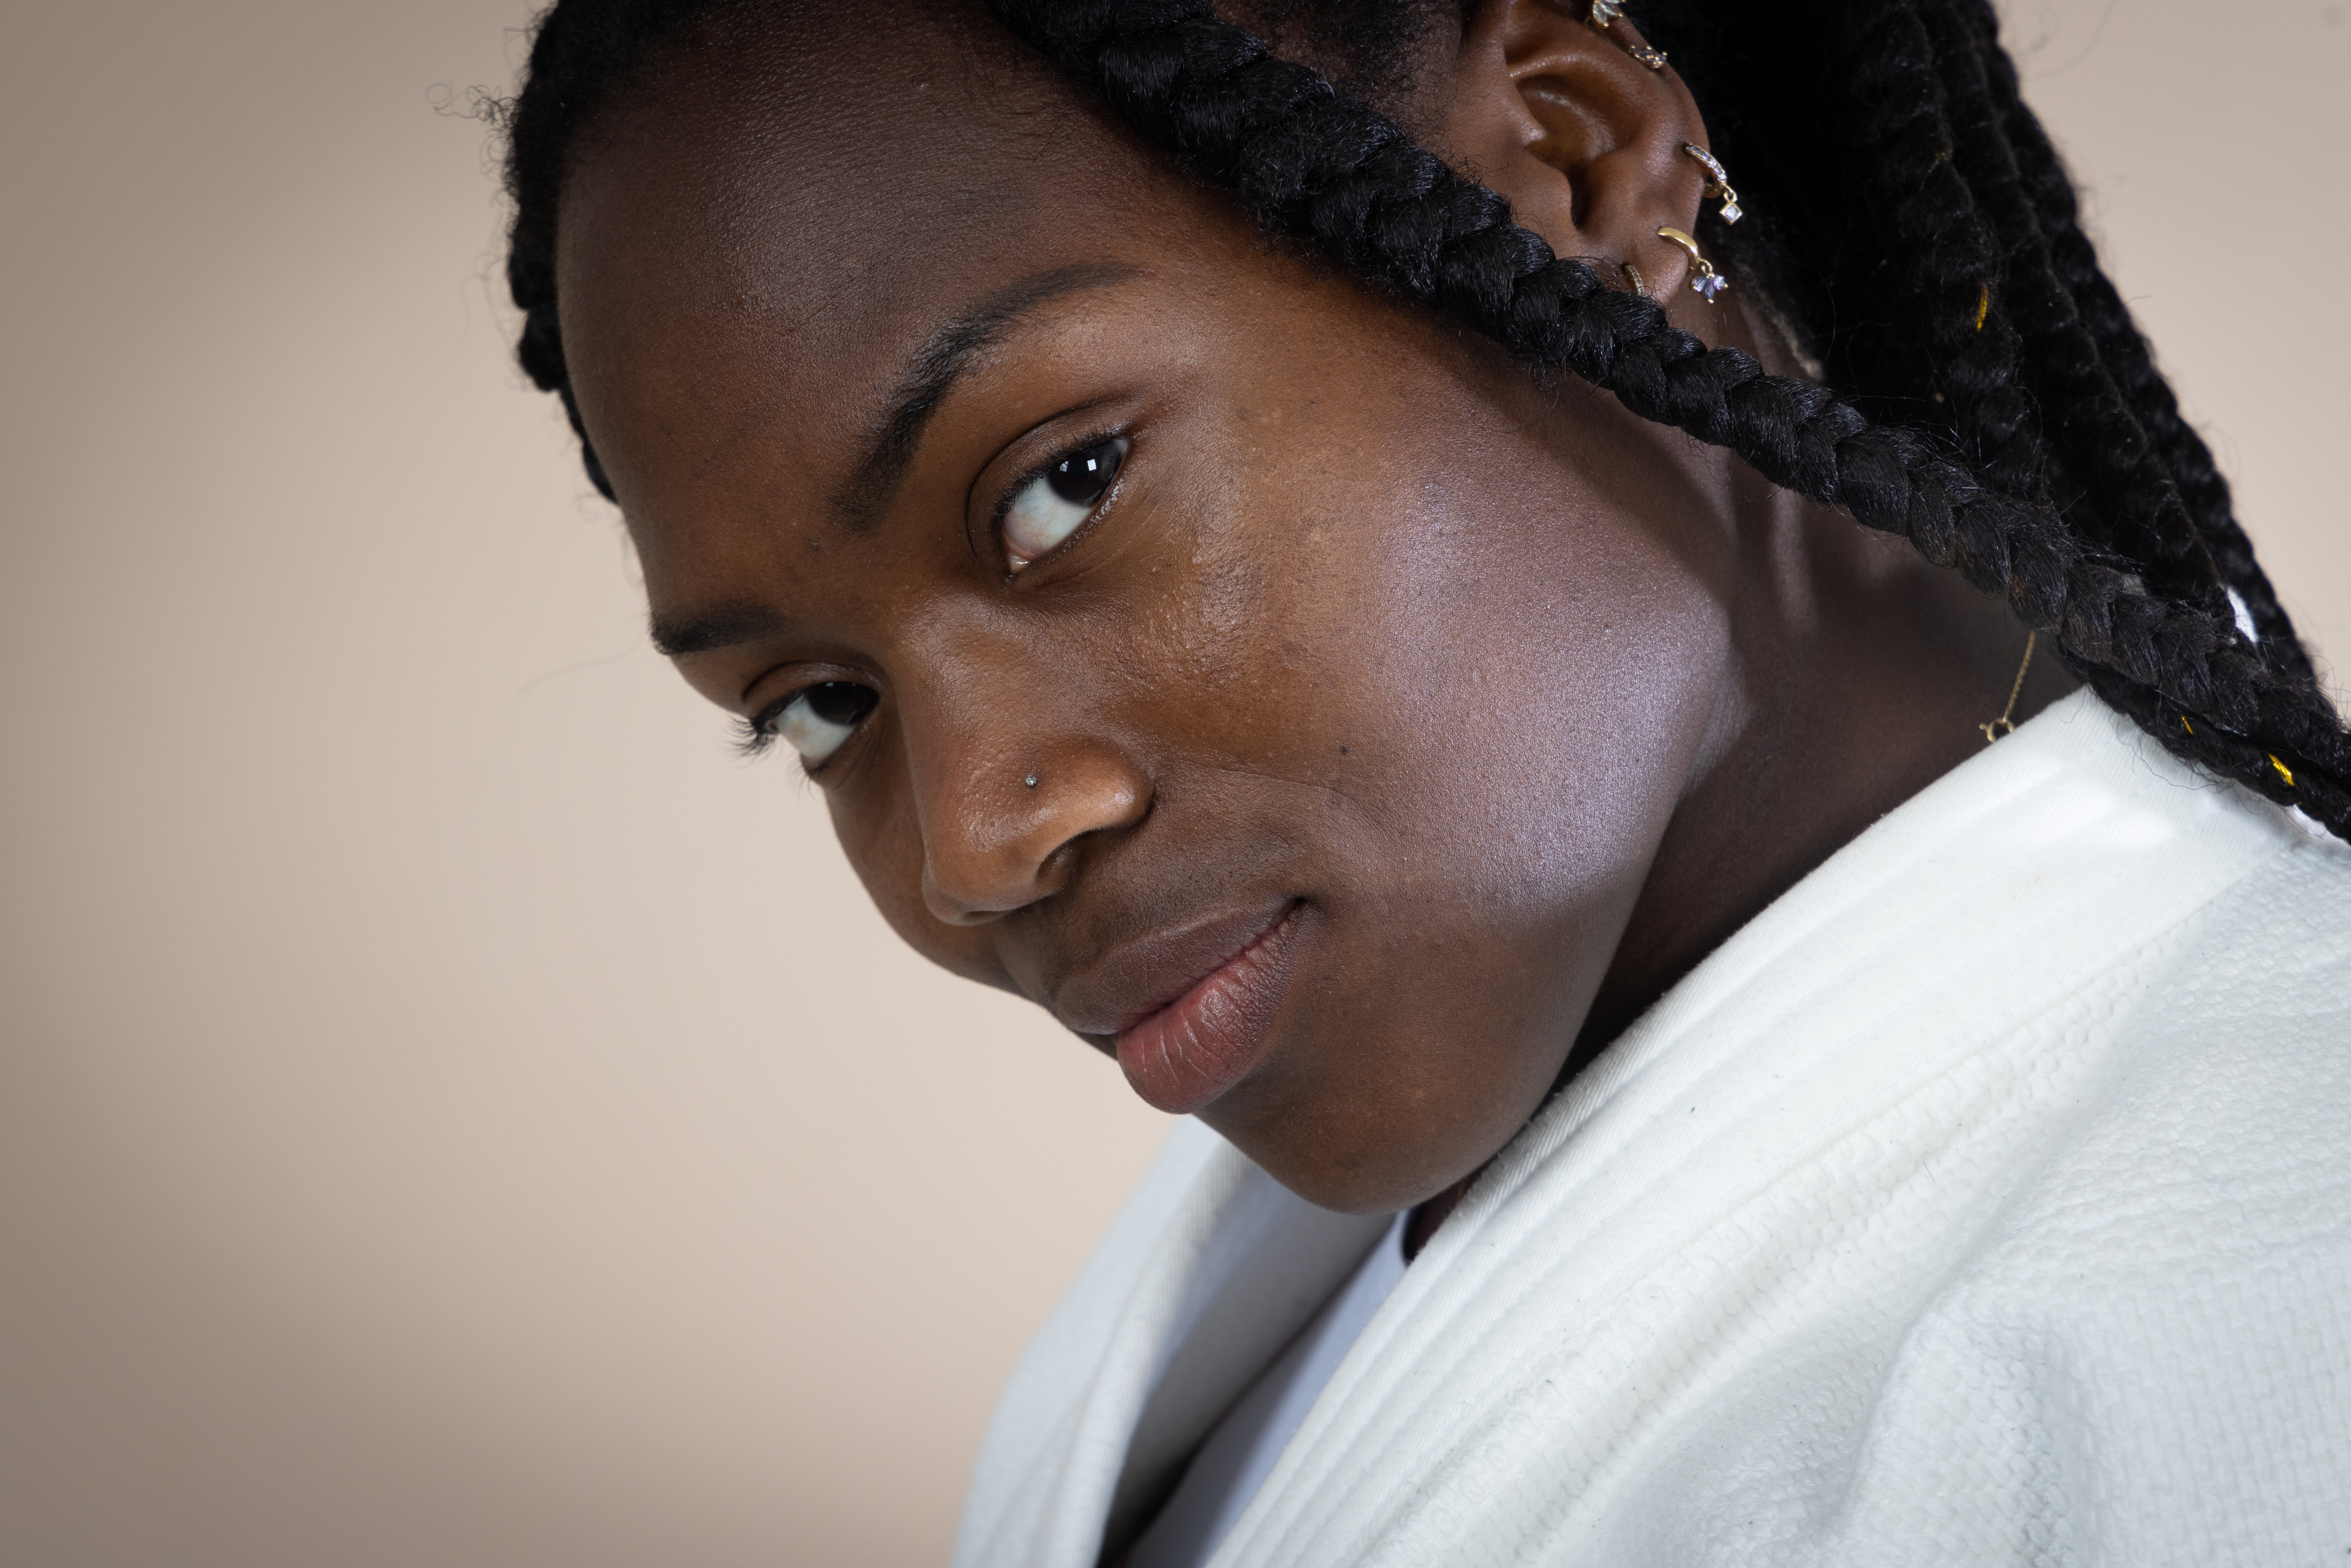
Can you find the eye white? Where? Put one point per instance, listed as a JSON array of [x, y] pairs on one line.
[[810, 733], [1050, 508]]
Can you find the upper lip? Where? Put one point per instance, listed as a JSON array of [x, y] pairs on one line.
[[1144, 974]]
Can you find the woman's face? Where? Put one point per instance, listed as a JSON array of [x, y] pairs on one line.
[[1270, 682]]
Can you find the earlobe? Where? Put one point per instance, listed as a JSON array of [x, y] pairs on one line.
[[1565, 119]]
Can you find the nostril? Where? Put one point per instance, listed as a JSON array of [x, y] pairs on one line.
[[995, 840]]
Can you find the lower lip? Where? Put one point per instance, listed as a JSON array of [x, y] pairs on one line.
[[1198, 1046]]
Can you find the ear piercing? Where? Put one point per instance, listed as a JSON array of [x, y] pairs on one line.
[[1705, 281], [1719, 185], [1031, 781], [1640, 284], [1604, 12]]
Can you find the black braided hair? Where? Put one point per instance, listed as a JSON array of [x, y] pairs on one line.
[[1986, 395]]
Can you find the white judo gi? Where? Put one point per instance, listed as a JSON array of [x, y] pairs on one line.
[[1986, 1199]]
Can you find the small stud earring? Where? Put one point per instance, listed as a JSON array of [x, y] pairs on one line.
[[1705, 281], [1719, 185], [1653, 58], [1031, 781], [1604, 12]]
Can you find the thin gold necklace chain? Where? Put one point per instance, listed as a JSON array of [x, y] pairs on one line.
[[2006, 722]]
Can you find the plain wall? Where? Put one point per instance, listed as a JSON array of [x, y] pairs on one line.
[[453, 1112]]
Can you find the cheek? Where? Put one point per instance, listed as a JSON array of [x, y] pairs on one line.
[[1476, 650], [1497, 681], [1541, 711]]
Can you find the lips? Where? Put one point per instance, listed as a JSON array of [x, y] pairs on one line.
[[1199, 1004]]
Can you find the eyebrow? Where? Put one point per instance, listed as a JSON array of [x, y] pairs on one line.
[[933, 371], [720, 626]]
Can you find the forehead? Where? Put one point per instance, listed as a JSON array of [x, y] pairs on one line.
[[751, 244]]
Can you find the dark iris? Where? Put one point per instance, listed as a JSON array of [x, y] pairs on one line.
[[839, 702], [1081, 477]]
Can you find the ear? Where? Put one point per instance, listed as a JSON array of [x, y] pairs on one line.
[[1585, 141]]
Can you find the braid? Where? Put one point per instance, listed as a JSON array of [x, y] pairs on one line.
[[2110, 469], [1946, 260], [1954, 303], [2119, 346]]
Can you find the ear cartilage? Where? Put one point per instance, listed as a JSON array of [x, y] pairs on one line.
[[1705, 282], [1604, 13], [1720, 184]]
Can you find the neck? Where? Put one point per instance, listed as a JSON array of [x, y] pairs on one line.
[[1859, 674]]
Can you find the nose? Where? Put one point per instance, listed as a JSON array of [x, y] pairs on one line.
[[998, 833]]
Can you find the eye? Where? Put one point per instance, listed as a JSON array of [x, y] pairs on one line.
[[815, 722], [1048, 509]]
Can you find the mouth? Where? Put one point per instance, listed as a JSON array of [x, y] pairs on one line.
[[1189, 1050]]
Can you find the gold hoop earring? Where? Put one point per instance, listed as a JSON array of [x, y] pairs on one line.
[[1705, 282], [1720, 184]]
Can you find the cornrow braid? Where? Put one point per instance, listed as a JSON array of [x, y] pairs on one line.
[[1917, 230], [579, 55]]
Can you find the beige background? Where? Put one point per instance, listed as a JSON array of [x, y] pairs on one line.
[[450, 1112]]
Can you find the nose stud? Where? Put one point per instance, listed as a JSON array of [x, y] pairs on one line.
[[1031, 781]]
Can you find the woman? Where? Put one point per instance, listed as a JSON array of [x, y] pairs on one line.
[[1425, 705]]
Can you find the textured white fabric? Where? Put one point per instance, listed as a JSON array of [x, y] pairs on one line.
[[1986, 1199], [1248, 1440]]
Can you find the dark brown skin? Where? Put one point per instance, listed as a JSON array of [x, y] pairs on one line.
[[1521, 703]]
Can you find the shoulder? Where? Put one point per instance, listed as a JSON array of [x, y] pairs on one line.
[[2176, 1278]]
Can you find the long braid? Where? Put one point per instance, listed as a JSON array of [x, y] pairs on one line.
[[1311, 162], [2183, 452], [2125, 492], [1936, 434], [1944, 255]]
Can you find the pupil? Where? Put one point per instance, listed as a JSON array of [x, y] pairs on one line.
[[839, 702], [1080, 479]]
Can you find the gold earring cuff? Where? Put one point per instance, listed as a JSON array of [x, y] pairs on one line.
[[1705, 282]]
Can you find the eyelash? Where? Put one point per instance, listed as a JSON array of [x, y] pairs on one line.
[[753, 738]]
